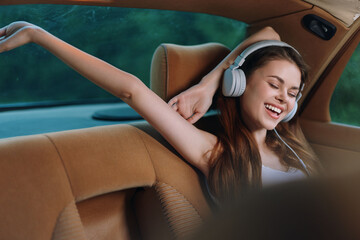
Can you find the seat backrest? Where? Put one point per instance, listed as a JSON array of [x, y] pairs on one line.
[[111, 182]]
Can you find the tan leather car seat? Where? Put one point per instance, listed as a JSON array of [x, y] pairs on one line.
[[111, 182]]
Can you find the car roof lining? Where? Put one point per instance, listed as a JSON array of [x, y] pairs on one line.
[[238, 10], [347, 11]]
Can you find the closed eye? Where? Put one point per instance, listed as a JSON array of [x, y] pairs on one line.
[[274, 85], [293, 95]]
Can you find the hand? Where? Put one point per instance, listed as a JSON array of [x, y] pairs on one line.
[[15, 35], [193, 103]]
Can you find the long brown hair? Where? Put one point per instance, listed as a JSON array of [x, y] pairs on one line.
[[235, 162]]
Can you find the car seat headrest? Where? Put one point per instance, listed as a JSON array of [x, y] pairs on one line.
[[175, 68]]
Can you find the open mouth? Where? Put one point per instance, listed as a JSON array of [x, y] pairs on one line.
[[273, 109]]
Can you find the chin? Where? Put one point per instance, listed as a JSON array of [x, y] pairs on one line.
[[270, 125], [269, 128]]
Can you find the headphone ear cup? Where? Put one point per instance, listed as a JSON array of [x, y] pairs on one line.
[[234, 83], [291, 114], [228, 83], [240, 82]]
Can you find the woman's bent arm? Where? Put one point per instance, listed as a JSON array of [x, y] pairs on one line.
[[193, 103]]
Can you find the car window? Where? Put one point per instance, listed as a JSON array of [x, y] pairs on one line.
[[125, 38], [345, 102]]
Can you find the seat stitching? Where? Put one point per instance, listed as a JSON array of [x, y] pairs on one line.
[[160, 186], [166, 82], [148, 152], [62, 161], [178, 226]]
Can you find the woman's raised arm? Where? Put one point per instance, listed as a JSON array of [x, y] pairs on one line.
[[193, 103], [192, 143]]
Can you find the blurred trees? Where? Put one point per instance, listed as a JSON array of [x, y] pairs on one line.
[[345, 102], [127, 39]]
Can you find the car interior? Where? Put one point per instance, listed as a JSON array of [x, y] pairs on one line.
[[123, 180]]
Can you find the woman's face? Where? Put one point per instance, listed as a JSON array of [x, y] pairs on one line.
[[270, 94]]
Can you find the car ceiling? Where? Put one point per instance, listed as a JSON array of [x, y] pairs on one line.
[[345, 10], [228, 8]]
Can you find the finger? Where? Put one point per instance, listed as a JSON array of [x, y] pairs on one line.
[[2, 32], [184, 110], [194, 118], [7, 44], [4, 45], [175, 106], [172, 101], [185, 115]]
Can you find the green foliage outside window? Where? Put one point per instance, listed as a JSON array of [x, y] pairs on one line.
[[125, 38], [345, 102]]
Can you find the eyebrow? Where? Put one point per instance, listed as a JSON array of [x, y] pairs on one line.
[[282, 81]]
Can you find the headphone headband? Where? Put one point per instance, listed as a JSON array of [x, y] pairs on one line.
[[239, 61]]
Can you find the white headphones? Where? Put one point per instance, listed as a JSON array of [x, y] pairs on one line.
[[234, 79]]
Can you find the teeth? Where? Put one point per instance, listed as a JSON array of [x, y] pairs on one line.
[[272, 108]]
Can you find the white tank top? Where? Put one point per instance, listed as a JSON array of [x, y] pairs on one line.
[[272, 176]]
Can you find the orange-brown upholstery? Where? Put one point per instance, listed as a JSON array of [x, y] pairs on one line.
[[82, 184], [111, 182], [176, 68]]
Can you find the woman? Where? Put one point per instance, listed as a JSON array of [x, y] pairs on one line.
[[275, 74], [202, 149]]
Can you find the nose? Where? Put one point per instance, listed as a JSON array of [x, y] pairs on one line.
[[282, 96]]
